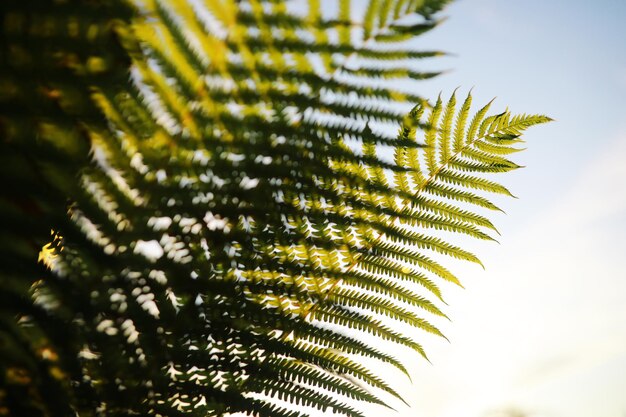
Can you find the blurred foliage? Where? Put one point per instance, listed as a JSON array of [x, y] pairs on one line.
[[226, 231]]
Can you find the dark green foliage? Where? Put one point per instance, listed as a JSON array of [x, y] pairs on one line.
[[216, 232]]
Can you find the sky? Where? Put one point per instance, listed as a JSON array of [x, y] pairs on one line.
[[542, 330]]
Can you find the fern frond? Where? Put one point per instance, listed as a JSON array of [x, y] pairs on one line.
[[227, 232]]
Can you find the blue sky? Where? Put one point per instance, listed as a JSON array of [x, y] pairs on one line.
[[563, 58], [543, 329]]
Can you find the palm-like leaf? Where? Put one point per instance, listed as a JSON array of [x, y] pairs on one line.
[[226, 233]]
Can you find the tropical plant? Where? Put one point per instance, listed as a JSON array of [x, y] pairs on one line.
[[231, 217]]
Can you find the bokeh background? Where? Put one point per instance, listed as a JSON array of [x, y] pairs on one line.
[[542, 331]]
